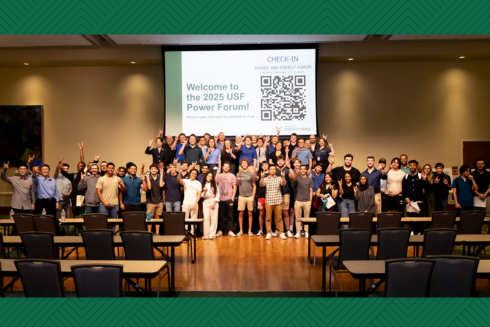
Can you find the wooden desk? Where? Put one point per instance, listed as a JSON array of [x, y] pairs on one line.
[[375, 269], [131, 268], [333, 240], [76, 241]]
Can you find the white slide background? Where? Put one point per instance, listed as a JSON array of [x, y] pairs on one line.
[[244, 69]]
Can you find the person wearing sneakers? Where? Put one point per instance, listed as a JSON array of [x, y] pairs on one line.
[[264, 167], [210, 206], [227, 190], [246, 191], [304, 186], [286, 193], [273, 201], [192, 194]]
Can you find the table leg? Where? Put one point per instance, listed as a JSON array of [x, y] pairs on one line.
[[195, 232], [324, 269], [362, 286], [309, 247], [172, 270], [149, 287]]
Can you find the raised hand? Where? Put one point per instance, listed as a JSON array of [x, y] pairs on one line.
[[160, 132], [60, 159], [80, 145], [119, 181], [330, 145], [262, 175], [340, 182], [424, 176], [6, 165], [83, 175], [325, 137], [96, 157], [31, 159], [175, 161], [437, 180], [142, 165], [445, 181], [355, 189], [216, 137], [209, 150], [470, 177], [150, 142], [282, 174], [278, 132], [161, 171], [194, 163]]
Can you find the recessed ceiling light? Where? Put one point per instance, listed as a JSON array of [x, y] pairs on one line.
[[26, 64], [133, 62], [461, 57], [351, 58]]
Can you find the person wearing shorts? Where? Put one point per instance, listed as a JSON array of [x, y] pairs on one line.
[[154, 195], [246, 195]]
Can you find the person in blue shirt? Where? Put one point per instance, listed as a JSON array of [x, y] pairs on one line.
[[322, 153], [247, 151], [132, 195], [182, 142], [317, 176], [213, 157], [374, 177], [463, 187], [47, 196], [304, 155]]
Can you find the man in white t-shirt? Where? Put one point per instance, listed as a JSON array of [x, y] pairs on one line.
[[192, 194]]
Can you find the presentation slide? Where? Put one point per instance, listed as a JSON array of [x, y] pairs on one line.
[[240, 91]]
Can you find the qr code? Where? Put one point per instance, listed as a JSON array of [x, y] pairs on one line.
[[283, 97]]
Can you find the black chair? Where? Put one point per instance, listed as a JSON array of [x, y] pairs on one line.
[[95, 221], [393, 243], [361, 220], [453, 276], [439, 241], [99, 244], [98, 280], [2, 294], [39, 245], [408, 277], [471, 222], [45, 223], [174, 224], [24, 222], [389, 220], [134, 220], [40, 278], [443, 219], [139, 246], [354, 245], [327, 223]]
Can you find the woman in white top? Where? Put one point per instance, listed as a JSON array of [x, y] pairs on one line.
[[393, 190], [210, 194], [192, 194]]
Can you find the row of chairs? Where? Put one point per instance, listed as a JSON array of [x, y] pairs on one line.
[[354, 244], [134, 220], [173, 223], [43, 278], [434, 276], [99, 245], [471, 222]]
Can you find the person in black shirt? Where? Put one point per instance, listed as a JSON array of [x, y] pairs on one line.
[[482, 179], [154, 195], [260, 195], [228, 154], [413, 185], [348, 192], [339, 172], [442, 185], [159, 153], [328, 189]]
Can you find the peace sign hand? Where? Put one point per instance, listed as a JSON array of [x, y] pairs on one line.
[[324, 137], [31, 159], [80, 145], [437, 180]]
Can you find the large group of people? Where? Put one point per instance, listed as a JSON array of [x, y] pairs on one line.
[[206, 176]]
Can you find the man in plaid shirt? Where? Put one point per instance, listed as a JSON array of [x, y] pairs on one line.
[[273, 201]]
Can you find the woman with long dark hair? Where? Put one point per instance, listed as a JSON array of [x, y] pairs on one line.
[[210, 207], [279, 151], [328, 189], [348, 191], [229, 155], [213, 157]]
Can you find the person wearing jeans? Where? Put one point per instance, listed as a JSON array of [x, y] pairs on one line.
[[210, 206], [108, 188], [172, 189], [304, 196], [227, 184], [87, 184], [348, 191]]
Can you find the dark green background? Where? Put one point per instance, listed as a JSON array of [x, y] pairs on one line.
[[244, 17]]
